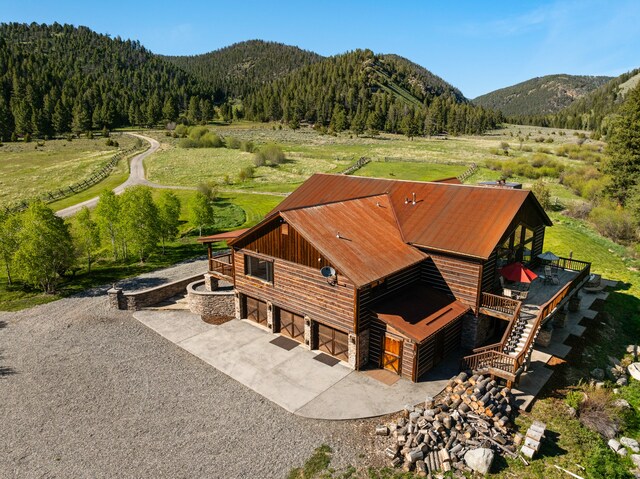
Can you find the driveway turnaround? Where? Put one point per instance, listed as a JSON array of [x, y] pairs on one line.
[[292, 378]]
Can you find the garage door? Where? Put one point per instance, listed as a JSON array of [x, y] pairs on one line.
[[333, 342], [292, 325], [256, 310]]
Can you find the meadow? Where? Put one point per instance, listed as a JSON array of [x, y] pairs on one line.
[[28, 170]]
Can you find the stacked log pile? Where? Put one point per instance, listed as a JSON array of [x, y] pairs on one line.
[[472, 412]]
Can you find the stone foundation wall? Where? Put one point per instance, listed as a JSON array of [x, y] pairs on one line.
[[474, 331], [210, 304], [135, 300]]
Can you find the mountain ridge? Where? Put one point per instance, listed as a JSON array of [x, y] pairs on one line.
[[541, 95]]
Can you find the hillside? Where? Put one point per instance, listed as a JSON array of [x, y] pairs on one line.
[[360, 89], [240, 68], [590, 111], [541, 95], [58, 78]]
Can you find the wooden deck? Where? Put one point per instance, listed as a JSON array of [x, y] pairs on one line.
[[543, 300]]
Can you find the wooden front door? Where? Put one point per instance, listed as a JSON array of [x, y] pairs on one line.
[[332, 341], [292, 325], [256, 310], [392, 356]]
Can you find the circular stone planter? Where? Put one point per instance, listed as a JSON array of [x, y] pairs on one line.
[[214, 307]]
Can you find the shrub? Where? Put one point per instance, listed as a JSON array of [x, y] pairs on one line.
[[613, 222], [542, 193], [574, 399], [270, 154], [197, 132], [247, 146], [549, 140], [209, 190], [579, 210], [188, 143], [181, 130], [246, 173], [233, 143], [210, 140]]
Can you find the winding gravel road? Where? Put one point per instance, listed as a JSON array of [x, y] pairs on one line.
[[136, 177]]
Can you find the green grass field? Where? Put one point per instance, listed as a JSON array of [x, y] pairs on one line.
[[403, 170], [28, 170]]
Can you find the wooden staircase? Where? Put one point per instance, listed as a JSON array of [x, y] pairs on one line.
[[509, 358]]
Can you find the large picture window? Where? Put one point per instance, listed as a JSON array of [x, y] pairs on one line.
[[516, 247], [258, 268]]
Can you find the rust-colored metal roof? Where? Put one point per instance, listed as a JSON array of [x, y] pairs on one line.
[[359, 237], [229, 235], [419, 311], [463, 219]]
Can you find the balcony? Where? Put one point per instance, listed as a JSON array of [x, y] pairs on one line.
[[221, 265]]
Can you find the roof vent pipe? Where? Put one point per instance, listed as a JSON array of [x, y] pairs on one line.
[[414, 199], [406, 200]]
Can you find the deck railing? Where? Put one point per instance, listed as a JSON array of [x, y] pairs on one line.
[[221, 264], [501, 304], [492, 355]]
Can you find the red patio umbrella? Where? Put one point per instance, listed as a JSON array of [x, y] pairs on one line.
[[518, 272]]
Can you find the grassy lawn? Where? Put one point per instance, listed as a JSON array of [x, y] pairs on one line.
[[403, 170], [28, 170]]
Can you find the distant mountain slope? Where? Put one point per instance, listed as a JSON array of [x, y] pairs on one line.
[[591, 111], [239, 69], [57, 78], [360, 89], [541, 95]]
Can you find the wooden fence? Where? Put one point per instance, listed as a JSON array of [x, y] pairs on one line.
[[356, 166], [470, 171], [61, 193]]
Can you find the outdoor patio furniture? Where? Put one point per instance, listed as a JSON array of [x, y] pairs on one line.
[[507, 292], [551, 274]]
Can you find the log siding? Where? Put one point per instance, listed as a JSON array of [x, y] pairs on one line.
[[299, 289]]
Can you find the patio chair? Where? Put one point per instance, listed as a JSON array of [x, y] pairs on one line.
[[522, 295], [551, 275], [507, 292]]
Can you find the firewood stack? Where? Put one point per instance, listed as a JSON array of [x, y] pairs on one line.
[[472, 412]]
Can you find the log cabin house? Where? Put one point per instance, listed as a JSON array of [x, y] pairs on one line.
[[388, 273]]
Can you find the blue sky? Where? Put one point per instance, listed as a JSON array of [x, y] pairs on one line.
[[476, 46]]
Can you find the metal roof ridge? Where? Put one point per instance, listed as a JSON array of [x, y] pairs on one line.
[[333, 202]]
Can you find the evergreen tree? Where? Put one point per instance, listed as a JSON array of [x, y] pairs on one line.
[[154, 111], [170, 110], [6, 121], [193, 112], [61, 118], [624, 148], [81, 120]]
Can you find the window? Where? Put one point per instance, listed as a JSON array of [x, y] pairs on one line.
[[258, 268]]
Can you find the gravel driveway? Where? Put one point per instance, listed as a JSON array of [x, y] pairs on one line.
[[90, 392]]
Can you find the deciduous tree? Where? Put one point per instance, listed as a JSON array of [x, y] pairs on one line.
[[87, 236], [108, 219], [139, 220], [9, 230], [45, 247], [201, 213], [168, 217]]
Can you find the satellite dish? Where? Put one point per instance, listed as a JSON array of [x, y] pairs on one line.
[[328, 272]]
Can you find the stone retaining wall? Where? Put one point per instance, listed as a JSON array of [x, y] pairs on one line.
[[136, 300], [210, 304]]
